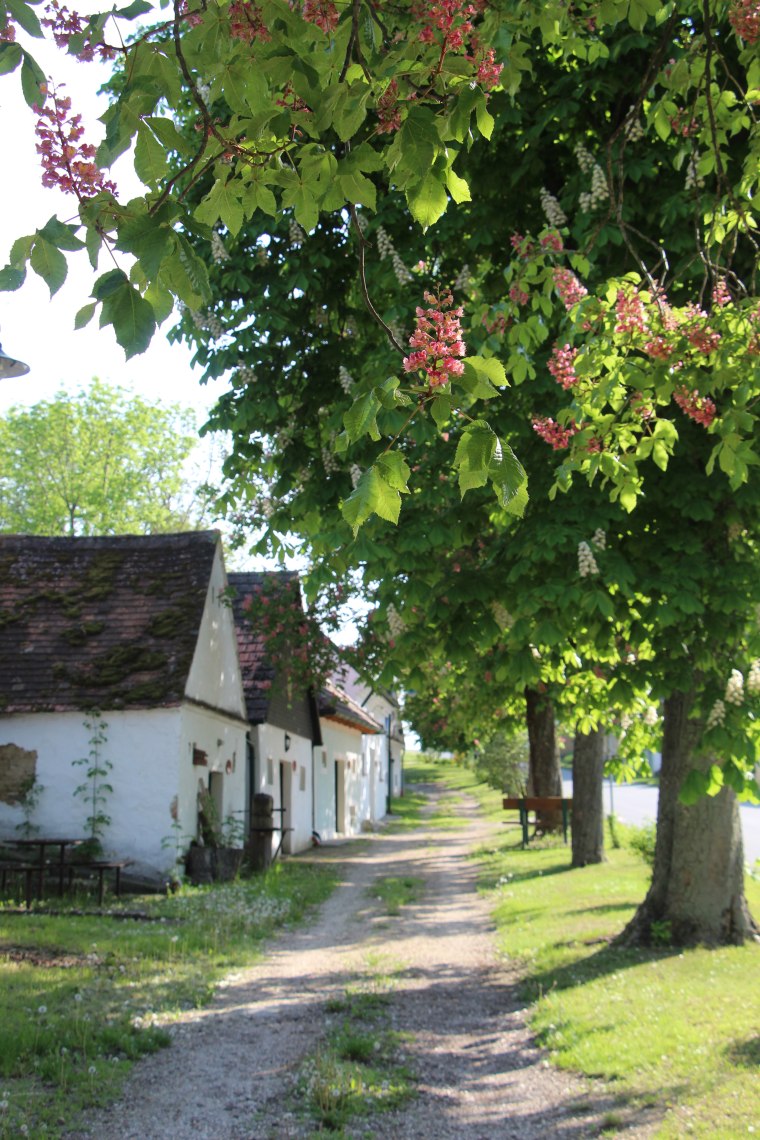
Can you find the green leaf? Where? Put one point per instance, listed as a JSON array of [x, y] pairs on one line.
[[509, 479], [167, 134], [33, 81], [395, 470], [132, 318], [427, 200], [361, 417], [457, 187], [85, 315], [440, 409], [480, 375], [61, 235], [10, 57], [11, 278], [26, 18], [474, 453], [484, 118], [150, 157], [108, 284], [359, 189], [222, 201], [49, 263], [373, 495], [694, 787]]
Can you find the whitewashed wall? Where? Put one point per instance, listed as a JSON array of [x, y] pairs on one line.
[[344, 746], [223, 741], [269, 745], [143, 748]]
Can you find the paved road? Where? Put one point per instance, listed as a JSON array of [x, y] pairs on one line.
[[637, 803]]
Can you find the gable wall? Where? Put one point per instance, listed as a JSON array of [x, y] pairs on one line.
[[270, 758], [214, 676], [342, 746]]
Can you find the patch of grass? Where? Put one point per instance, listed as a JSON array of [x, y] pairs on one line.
[[359, 1069], [86, 994], [395, 891], [674, 1030]]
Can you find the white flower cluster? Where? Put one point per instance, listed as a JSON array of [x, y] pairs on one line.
[[553, 212], [735, 688], [598, 194], [599, 539], [634, 128], [245, 373], [626, 720], [219, 250], [356, 474], [345, 379], [717, 714], [296, 235], [208, 322], [463, 278], [586, 561], [328, 461], [501, 616], [386, 248], [650, 716], [693, 180], [535, 653], [753, 677], [584, 157], [396, 623]]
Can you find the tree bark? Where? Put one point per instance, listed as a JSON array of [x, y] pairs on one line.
[[588, 814], [697, 890], [544, 772]]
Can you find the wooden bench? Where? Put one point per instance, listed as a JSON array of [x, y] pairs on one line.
[[30, 871], [538, 804], [99, 867]]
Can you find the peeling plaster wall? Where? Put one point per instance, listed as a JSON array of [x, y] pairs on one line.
[[18, 769]]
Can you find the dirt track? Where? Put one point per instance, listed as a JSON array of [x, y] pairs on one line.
[[229, 1074]]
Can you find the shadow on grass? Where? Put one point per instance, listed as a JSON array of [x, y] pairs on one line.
[[745, 1053], [609, 959]]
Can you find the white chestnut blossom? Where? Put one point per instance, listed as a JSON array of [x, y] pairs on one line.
[[650, 716], [553, 212], [586, 562], [717, 714], [599, 539], [753, 677], [735, 688]]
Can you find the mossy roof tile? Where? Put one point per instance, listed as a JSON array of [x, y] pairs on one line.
[[108, 622]]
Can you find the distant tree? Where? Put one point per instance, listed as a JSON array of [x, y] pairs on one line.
[[102, 461]]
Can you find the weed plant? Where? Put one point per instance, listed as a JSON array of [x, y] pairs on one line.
[[86, 994], [396, 891]]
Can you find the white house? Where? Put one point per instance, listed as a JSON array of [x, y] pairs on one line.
[[342, 779], [136, 627], [283, 720], [385, 751]]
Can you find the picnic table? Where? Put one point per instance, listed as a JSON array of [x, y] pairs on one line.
[[539, 805], [61, 865]]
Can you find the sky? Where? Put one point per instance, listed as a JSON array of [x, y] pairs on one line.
[[40, 330]]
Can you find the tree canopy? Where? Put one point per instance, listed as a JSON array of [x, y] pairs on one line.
[[102, 461]]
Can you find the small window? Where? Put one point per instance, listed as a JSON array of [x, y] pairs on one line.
[[270, 770], [324, 757], [200, 758], [302, 779]]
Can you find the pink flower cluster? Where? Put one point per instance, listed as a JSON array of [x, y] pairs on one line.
[[701, 409], [744, 17], [388, 110], [246, 22], [489, 72], [629, 310], [451, 18], [65, 24], [659, 348], [7, 34], [569, 287], [720, 294], [553, 433], [552, 240], [323, 13], [66, 161], [437, 341], [518, 295], [561, 365]]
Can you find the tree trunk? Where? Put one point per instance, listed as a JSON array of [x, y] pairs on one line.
[[588, 814], [544, 772], [697, 889]]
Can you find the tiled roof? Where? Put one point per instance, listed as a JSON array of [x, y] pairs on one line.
[[108, 622], [334, 704], [256, 669]]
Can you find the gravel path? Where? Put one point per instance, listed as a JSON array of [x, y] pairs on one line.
[[229, 1074]]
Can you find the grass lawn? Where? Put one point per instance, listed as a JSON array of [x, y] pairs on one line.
[[675, 1029], [85, 994]]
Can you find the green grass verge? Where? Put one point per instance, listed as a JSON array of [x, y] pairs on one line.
[[395, 891], [84, 995], [677, 1030]]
